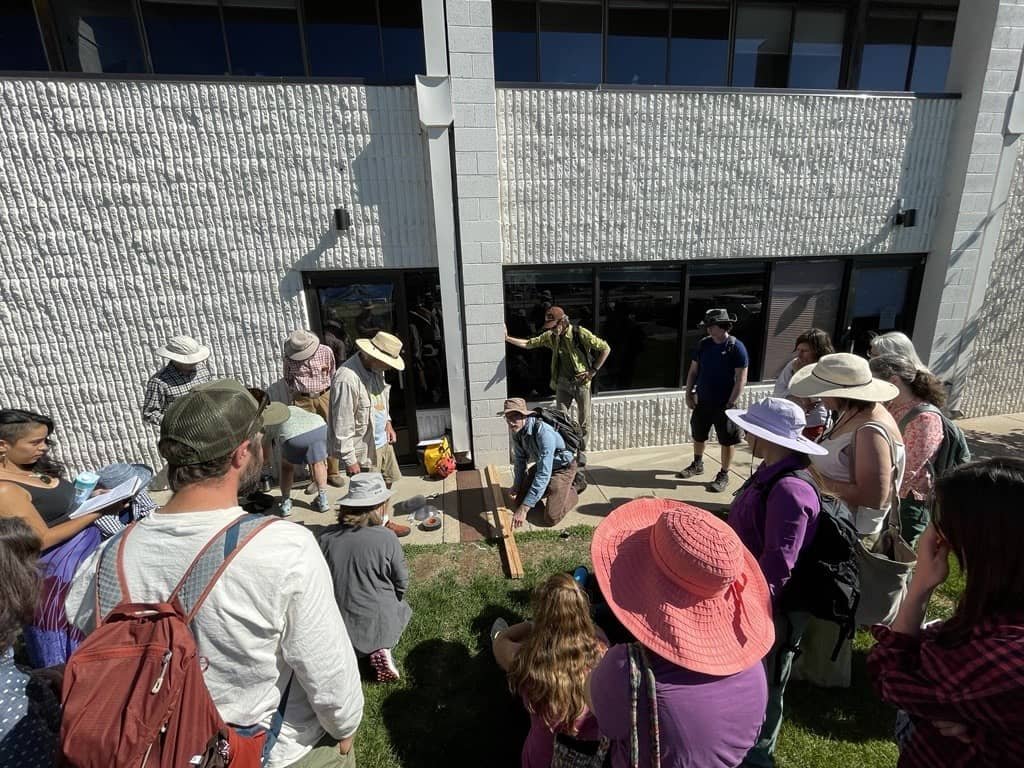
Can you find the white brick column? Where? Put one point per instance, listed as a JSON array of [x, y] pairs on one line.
[[471, 60]]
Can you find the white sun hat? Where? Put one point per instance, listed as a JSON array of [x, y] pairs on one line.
[[778, 421], [841, 375], [184, 350]]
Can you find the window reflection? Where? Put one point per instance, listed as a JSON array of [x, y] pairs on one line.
[[99, 35], [817, 49], [888, 41], [21, 48], [263, 41], [762, 46], [515, 41], [402, 35], [699, 53], [185, 38], [931, 56], [570, 42], [637, 43], [343, 39]]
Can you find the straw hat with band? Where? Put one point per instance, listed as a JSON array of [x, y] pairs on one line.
[[778, 421], [682, 582], [184, 350], [385, 347], [841, 375], [212, 420], [515, 405], [301, 345]]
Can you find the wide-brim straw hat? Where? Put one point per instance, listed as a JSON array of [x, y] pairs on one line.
[[682, 582], [184, 350], [841, 375], [385, 347], [778, 421], [300, 345]]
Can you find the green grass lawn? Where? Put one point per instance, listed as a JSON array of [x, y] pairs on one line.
[[453, 708]]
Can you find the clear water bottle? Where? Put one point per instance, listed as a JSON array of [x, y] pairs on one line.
[[85, 484]]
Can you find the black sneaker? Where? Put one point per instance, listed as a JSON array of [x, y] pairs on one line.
[[720, 482], [695, 468]]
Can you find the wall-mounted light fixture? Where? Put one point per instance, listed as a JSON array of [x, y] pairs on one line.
[[905, 217], [342, 219]]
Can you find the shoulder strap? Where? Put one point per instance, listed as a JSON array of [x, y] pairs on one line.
[[640, 673], [916, 411], [111, 586], [894, 494], [212, 559]]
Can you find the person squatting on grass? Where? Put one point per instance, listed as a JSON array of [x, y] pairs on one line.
[[547, 661], [960, 682], [370, 573]]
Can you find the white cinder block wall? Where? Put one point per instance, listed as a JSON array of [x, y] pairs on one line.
[[471, 60], [132, 211]]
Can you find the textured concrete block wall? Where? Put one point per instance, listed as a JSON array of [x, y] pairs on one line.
[[627, 176], [471, 60], [994, 383], [132, 211]]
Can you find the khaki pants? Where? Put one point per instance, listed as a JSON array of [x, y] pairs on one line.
[[320, 405], [387, 464], [326, 755], [568, 392], [558, 498]]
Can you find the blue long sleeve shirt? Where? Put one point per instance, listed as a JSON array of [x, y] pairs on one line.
[[537, 442]]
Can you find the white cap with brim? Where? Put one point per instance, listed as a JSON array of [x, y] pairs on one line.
[[367, 489], [841, 375], [778, 421], [184, 350]]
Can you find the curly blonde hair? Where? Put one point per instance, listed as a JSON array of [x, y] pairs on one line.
[[552, 664]]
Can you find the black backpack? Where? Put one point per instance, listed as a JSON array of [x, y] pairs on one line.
[[563, 424], [954, 450], [825, 581]]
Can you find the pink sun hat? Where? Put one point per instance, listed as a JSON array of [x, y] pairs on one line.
[[682, 582]]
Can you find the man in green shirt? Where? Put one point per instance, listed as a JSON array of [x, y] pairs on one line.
[[576, 356]]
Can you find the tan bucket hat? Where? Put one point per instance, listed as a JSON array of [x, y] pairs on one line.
[[385, 347], [841, 375], [300, 345]]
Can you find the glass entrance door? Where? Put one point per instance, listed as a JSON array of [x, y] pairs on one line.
[[406, 304]]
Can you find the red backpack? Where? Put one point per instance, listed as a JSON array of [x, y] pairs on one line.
[[134, 693]]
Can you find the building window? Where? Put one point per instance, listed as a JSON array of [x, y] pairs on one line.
[[185, 38], [402, 36], [639, 318], [263, 41], [343, 39], [570, 42], [805, 295], [21, 48], [906, 50], [515, 41], [817, 56], [637, 52], [699, 49], [761, 57], [99, 35], [879, 300]]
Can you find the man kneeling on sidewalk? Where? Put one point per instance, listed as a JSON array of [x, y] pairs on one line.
[[547, 485]]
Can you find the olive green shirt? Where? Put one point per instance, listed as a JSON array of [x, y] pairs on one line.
[[566, 359]]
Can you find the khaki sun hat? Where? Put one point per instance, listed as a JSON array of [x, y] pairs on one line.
[[515, 405], [184, 350], [385, 347], [300, 345], [841, 375]]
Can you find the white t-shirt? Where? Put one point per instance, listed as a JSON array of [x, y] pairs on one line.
[[271, 613]]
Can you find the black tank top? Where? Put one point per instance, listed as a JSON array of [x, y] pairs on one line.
[[53, 503]]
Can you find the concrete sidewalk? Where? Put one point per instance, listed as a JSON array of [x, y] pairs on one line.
[[615, 477]]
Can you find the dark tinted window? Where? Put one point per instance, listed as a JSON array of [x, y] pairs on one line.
[[640, 318], [185, 38], [931, 57], [570, 43], [515, 41], [817, 49], [699, 52], [263, 41], [637, 43], [343, 39], [888, 41], [762, 46], [20, 45], [99, 35], [739, 289], [402, 32]]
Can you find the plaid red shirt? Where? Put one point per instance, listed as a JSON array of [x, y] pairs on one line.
[[312, 375], [979, 683]]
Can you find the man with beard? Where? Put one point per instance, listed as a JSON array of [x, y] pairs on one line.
[[269, 626]]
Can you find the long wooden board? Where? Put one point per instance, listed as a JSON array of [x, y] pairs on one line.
[[503, 523]]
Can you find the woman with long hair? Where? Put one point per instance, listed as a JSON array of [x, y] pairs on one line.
[[32, 489], [916, 411], [961, 681], [896, 343], [547, 662], [29, 707]]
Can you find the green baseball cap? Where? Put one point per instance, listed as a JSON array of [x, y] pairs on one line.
[[213, 420]]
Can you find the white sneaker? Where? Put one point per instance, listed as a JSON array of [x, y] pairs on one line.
[[285, 508], [322, 504]]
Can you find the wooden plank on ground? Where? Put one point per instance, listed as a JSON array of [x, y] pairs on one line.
[[503, 523], [473, 506]]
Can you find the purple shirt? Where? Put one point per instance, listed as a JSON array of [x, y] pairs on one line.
[[775, 530], [705, 721], [539, 747]]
